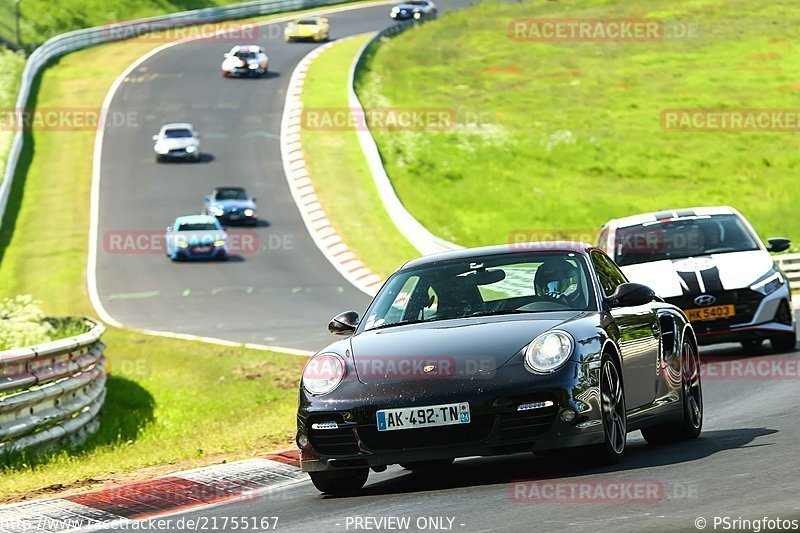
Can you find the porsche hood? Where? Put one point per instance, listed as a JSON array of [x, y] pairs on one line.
[[670, 278], [461, 348]]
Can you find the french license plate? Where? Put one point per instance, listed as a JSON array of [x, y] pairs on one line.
[[423, 417], [711, 313], [202, 249]]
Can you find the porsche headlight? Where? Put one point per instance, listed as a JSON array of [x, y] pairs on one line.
[[249, 212], [769, 284], [323, 373], [218, 244], [191, 149], [182, 244], [216, 211], [548, 351]]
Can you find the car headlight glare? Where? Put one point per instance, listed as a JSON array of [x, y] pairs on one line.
[[417, 15], [548, 351], [217, 244], [182, 244], [191, 149], [216, 211], [249, 212], [769, 284], [323, 373]]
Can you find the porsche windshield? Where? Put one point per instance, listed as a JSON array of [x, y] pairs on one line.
[[494, 285], [675, 239]]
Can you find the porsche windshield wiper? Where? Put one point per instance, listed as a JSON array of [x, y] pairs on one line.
[[402, 323], [503, 312]]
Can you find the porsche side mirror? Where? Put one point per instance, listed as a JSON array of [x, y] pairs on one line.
[[254, 199], [226, 54], [344, 323], [155, 137], [631, 295], [169, 228], [778, 244]]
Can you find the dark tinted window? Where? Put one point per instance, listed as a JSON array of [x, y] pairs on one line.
[[610, 276], [177, 134], [197, 226], [231, 194], [675, 239]]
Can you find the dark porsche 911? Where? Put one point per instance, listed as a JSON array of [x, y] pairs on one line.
[[494, 351]]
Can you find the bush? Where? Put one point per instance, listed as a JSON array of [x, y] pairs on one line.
[[22, 323]]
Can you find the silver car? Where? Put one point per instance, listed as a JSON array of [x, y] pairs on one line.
[[177, 141]]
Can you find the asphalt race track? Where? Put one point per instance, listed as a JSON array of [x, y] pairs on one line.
[[284, 292], [743, 465]]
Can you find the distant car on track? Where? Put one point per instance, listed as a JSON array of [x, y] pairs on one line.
[[231, 205], [308, 29], [245, 60], [413, 9], [177, 141], [492, 351], [710, 262], [196, 237]]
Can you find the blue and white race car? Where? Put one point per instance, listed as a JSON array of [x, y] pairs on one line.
[[196, 237]]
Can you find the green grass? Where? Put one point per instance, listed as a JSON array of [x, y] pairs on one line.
[[342, 178], [11, 66], [171, 404], [569, 133], [42, 19]]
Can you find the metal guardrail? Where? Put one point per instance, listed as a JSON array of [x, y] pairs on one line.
[[79, 39], [52, 392], [790, 264], [419, 236]]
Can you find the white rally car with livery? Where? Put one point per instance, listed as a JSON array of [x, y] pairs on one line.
[[710, 262]]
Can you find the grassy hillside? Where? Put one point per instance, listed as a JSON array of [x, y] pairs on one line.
[[568, 134], [10, 70], [42, 19]]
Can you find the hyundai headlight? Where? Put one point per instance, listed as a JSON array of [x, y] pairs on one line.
[[769, 284], [323, 373], [548, 351]]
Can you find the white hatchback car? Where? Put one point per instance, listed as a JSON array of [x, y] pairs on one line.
[[177, 141], [710, 262]]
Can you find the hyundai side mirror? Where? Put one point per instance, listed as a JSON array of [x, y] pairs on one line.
[[778, 244], [344, 323], [631, 295]]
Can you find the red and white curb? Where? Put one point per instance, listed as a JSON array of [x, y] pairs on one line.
[[300, 182], [159, 497]]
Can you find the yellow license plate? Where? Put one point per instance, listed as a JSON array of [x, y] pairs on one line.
[[711, 313]]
